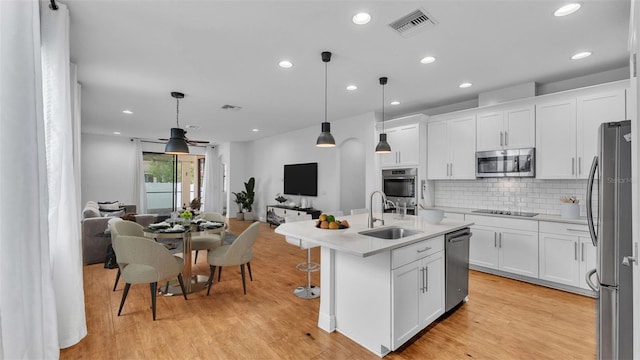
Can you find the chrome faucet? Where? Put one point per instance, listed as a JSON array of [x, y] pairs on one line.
[[384, 205]]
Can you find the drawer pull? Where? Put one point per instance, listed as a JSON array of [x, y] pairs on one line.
[[578, 230], [423, 250]]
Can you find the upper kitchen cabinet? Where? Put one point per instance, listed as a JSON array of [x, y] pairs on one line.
[[567, 129], [405, 147], [556, 136], [593, 110], [451, 148], [506, 128]]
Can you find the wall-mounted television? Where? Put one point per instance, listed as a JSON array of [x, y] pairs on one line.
[[301, 179]]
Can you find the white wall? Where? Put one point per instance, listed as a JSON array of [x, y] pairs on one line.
[[268, 157], [108, 164]]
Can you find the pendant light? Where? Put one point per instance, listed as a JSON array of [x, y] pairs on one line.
[[383, 146], [177, 144], [325, 139]]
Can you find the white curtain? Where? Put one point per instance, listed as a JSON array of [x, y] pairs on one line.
[[140, 190], [211, 194], [28, 320], [64, 213]]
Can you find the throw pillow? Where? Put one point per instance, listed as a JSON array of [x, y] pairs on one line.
[[90, 212], [109, 205], [111, 213]]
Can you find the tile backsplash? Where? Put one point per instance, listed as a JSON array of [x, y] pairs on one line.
[[514, 194]]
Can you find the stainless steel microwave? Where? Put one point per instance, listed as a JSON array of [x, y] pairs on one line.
[[506, 163]]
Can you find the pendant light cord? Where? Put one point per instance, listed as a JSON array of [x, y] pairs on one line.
[[383, 108], [325, 92], [177, 112]]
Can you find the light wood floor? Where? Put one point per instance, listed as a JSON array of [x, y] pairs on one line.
[[504, 319]]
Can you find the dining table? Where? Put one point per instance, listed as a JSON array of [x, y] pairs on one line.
[[195, 282]]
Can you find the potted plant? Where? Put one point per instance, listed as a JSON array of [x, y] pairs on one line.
[[240, 200], [249, 186]]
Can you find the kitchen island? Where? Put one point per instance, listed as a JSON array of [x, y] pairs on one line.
[[379, 292]]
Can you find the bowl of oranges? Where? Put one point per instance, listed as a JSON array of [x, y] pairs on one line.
[[329, 222]]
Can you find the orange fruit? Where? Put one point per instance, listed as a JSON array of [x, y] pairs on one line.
[[324, 225], [334, 225], [322, 217]]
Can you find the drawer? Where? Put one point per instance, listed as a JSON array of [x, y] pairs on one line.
[[502, 222], [563, 228], [409, 253]]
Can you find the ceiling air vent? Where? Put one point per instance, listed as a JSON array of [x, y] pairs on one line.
[[413, 23], [230, 107]]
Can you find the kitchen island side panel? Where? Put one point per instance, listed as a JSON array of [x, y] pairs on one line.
[[363, 299]]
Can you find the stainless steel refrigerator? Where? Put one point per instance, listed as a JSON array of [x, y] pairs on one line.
[[611, 234]]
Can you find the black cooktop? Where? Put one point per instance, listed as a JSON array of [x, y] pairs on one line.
[[505, 212]]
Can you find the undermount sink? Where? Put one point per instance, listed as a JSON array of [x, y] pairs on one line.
[[390, 233]]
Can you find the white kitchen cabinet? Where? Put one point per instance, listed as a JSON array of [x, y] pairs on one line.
[[556, 139], [404, 142], [593, 110], [509, 128], [567, 130], [418, 296], [566, 253], [451, 148], [503, 244]]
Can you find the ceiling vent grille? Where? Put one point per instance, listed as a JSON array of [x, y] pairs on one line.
[[413, 23], [230, 107]]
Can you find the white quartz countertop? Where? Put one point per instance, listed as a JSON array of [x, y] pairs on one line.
[[349, 241], [540, 217]]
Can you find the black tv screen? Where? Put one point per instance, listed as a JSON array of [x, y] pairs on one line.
[[301, 179]]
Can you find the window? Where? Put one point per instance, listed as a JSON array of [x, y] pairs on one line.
[[172, 181]]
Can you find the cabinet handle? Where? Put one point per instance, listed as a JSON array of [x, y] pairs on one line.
[[495, 239], [573, 166], [423, 250], [451, 173], [426, 279], [500, 138], [500, 241], [575, 250], [399, 157], [579, 164], [578, 230], [505, 138], [582, 251]]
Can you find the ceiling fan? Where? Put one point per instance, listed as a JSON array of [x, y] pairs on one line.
[[178, 142]]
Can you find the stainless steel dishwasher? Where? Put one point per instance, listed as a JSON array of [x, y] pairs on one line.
[[456, 267]]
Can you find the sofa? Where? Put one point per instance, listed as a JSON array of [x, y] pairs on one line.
[[96, 236]]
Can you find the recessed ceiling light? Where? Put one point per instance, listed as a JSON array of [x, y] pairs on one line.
[[464, 85], [255, 130], [361, 18], [128, 112], [285, 64], [395, 102], [581, 55], [567, 9], [427, 60], [352, 87], [116, 133]]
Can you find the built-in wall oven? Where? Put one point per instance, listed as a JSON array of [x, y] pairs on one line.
[[400, 187]]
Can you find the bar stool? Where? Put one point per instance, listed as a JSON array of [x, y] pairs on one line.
[[307, 291]]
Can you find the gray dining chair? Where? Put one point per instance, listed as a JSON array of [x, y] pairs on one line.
[[144, 261], [240, 252], [127, 228], [208, 241]]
